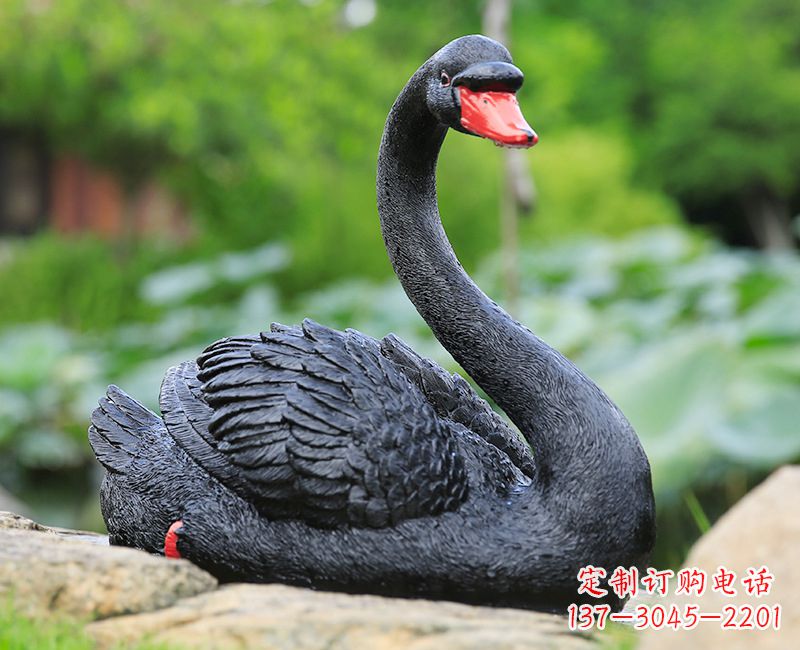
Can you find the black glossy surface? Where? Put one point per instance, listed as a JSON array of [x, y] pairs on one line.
[[332, 460]]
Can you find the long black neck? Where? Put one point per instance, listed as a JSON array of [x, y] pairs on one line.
[[561, 413]]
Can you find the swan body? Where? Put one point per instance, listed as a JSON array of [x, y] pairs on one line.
[[333, 460]]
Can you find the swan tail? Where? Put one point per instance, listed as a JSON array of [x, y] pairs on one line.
[[118, 427], [148, 480]]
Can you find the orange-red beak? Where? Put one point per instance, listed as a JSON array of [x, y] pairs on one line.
[[495, 114]]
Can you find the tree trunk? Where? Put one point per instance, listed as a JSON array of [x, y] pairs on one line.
[[517, 190], [769, 219]]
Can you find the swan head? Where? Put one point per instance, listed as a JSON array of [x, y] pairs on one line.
[[471, 87]]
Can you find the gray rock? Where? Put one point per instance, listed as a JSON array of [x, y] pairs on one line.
[[763, 529], [10, 520], [13, 521], [277, 617], [52, 570]]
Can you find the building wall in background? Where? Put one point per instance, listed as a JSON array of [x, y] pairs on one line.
[[69, 195]]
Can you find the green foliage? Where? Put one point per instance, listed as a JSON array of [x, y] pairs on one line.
[[731, 83], [49, 381], [217, 101], [19, 632], [696, 510], [81, 283], [584, 181], [708, 94], [264, 118], [618, 636]]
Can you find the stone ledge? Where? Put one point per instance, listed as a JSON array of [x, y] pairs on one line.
[[278, 617], [49, 570]]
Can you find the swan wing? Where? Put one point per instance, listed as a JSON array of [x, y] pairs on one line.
[[453, 398], [187, 415], [322, 427]]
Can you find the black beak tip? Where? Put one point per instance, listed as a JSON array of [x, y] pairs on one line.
[[486, 75]]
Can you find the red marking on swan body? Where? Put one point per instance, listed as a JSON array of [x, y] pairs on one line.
[[171, 540]]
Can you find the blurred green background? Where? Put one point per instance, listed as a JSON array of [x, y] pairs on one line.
[[174, 172]]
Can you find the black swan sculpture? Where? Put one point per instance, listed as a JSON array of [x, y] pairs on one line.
[[336, 461]]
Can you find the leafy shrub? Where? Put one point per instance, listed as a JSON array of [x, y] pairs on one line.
[[585, 186], [82, 283], [265, 118]]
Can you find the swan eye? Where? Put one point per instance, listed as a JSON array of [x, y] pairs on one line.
[[445, 79]]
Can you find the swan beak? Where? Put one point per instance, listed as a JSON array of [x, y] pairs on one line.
[[495, 114]]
